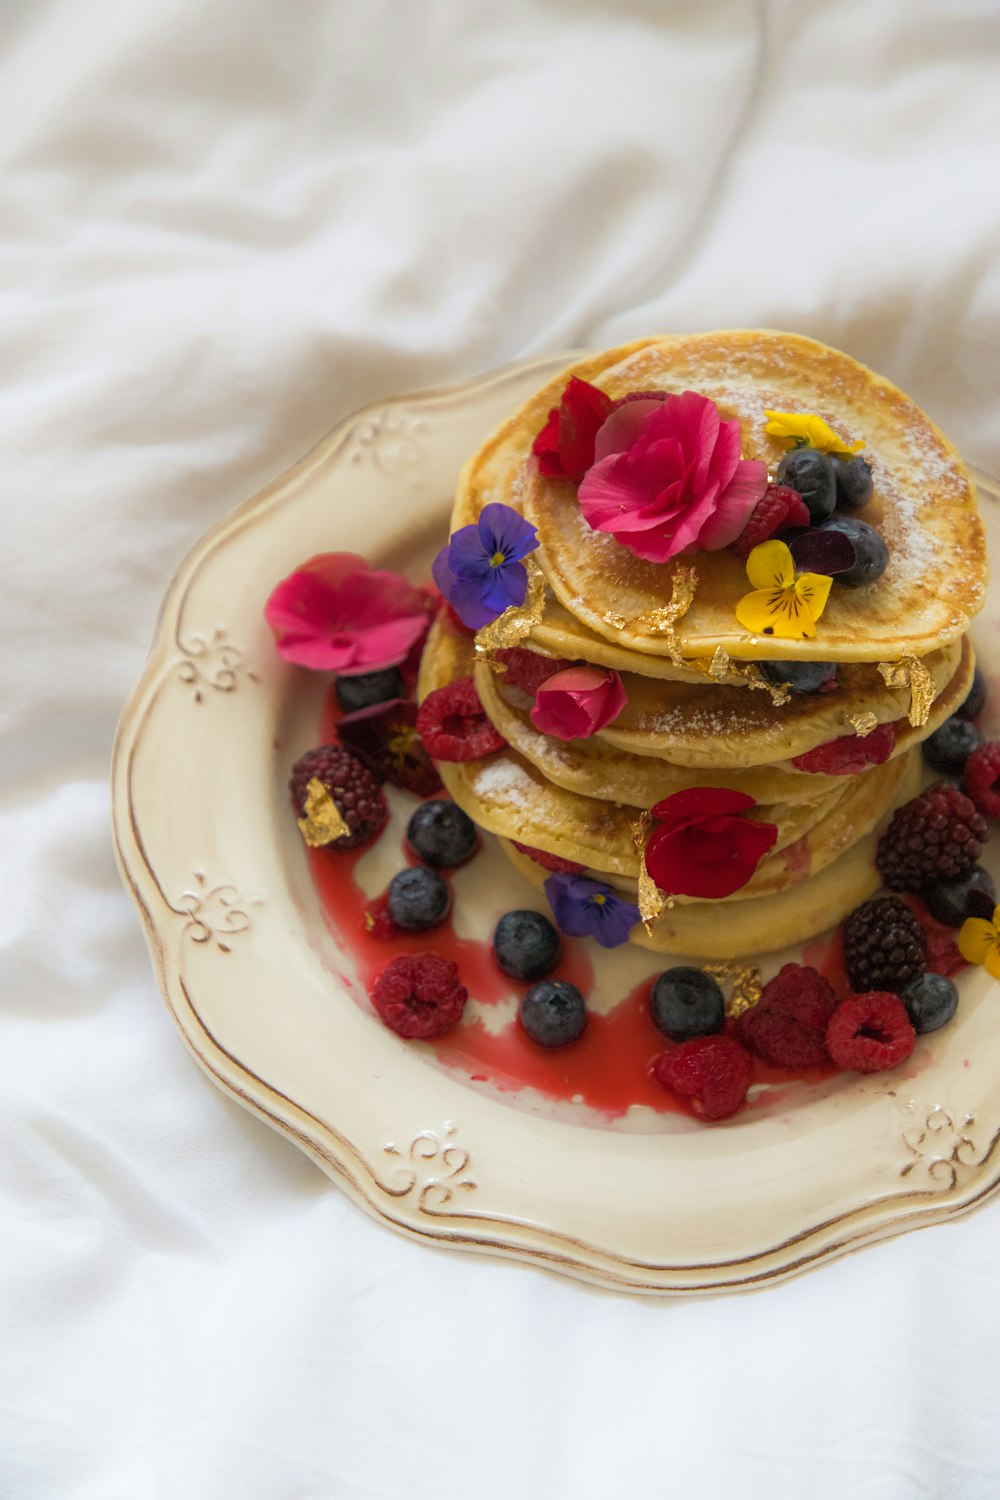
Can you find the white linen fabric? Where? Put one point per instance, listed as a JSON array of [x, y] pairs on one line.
[[224, 226]]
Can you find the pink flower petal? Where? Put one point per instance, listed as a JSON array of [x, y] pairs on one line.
[[337, 614], [621, 429], [734, 506], [576, 703]]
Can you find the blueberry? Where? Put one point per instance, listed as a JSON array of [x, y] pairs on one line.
[[853, 478], [800, 676], [441, 834], [975, 700], [950, 746], [368, 689], [872, 553], [553, 1013], [810, 473], [931, 1000], [418, 899], [948, 900], [526, 944], [686, 1003]]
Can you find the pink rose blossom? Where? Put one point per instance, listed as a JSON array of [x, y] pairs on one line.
[[668, 476], [578, 702], [336, 614]]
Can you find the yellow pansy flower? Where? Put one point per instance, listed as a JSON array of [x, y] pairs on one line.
[[979, 942], [783, 604], [803, 429]]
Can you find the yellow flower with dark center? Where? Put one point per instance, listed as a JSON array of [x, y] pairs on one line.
[[803, 429], [979, 942], [784, 603]]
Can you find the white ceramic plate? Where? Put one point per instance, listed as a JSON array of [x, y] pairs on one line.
[[258, 986]]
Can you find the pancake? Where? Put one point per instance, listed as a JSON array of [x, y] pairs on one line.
[[595, 768], [924, 506]]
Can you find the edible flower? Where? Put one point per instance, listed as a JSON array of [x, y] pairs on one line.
[[803, 429], [586, 908], [979, 942], [565, 446], [703, 845], [668, 477], [479, 571], [384, 737], [336, 614], [574, 704], [784, 603]]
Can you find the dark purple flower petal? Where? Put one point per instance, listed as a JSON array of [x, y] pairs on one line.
[[587, 908], [385, 739], [466, 553], [830, 552], [501, 529], [466, 598], [441, 571]]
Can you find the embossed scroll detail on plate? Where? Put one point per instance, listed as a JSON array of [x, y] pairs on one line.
[[392, 440], [433, 1166], [214, 915], [212, 663], [941, 1144]]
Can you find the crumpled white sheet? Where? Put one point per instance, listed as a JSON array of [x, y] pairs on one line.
[[224, 227]]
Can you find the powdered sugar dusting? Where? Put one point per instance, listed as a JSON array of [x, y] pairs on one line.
[[503, 780]]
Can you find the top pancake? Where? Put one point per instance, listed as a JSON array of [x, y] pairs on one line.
[[924, 506]]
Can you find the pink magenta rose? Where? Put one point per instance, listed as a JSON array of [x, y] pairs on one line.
[[336, 614], [668, 476], [578, 702]]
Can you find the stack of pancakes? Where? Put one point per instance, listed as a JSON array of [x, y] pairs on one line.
[[699, 713]]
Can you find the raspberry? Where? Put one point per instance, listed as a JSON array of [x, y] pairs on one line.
[[982, 778], [548, 861], [351, 785], [849, 754], [779, 508], [453, 725], [934, 837], [787, 1026], [527, 670], [884, 945], [713, 1072], [869, 1033], [419, 996]]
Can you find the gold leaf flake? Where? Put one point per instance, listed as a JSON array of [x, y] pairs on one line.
[[863, 724], [652, 901], [746, 986], [911, 673], [323, 822], [517, 621], [754, 678], [612, 617], [719, 665], [665, 620]]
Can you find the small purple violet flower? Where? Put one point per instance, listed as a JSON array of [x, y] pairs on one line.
[[585, 908], [480, 571]]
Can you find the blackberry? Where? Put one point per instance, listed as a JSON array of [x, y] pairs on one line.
[[418, 899], [369, 688], [351, 785], [686, 1003], [442, 834], [884, 945], [936, 836], [526, 944]]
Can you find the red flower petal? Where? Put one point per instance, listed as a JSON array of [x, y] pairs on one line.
[[701, 801], [703, 847], [565, 446]]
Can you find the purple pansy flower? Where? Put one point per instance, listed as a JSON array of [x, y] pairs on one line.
[[480, 571], [585, 908]]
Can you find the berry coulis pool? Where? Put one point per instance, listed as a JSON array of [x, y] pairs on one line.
[[600, 1079]]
